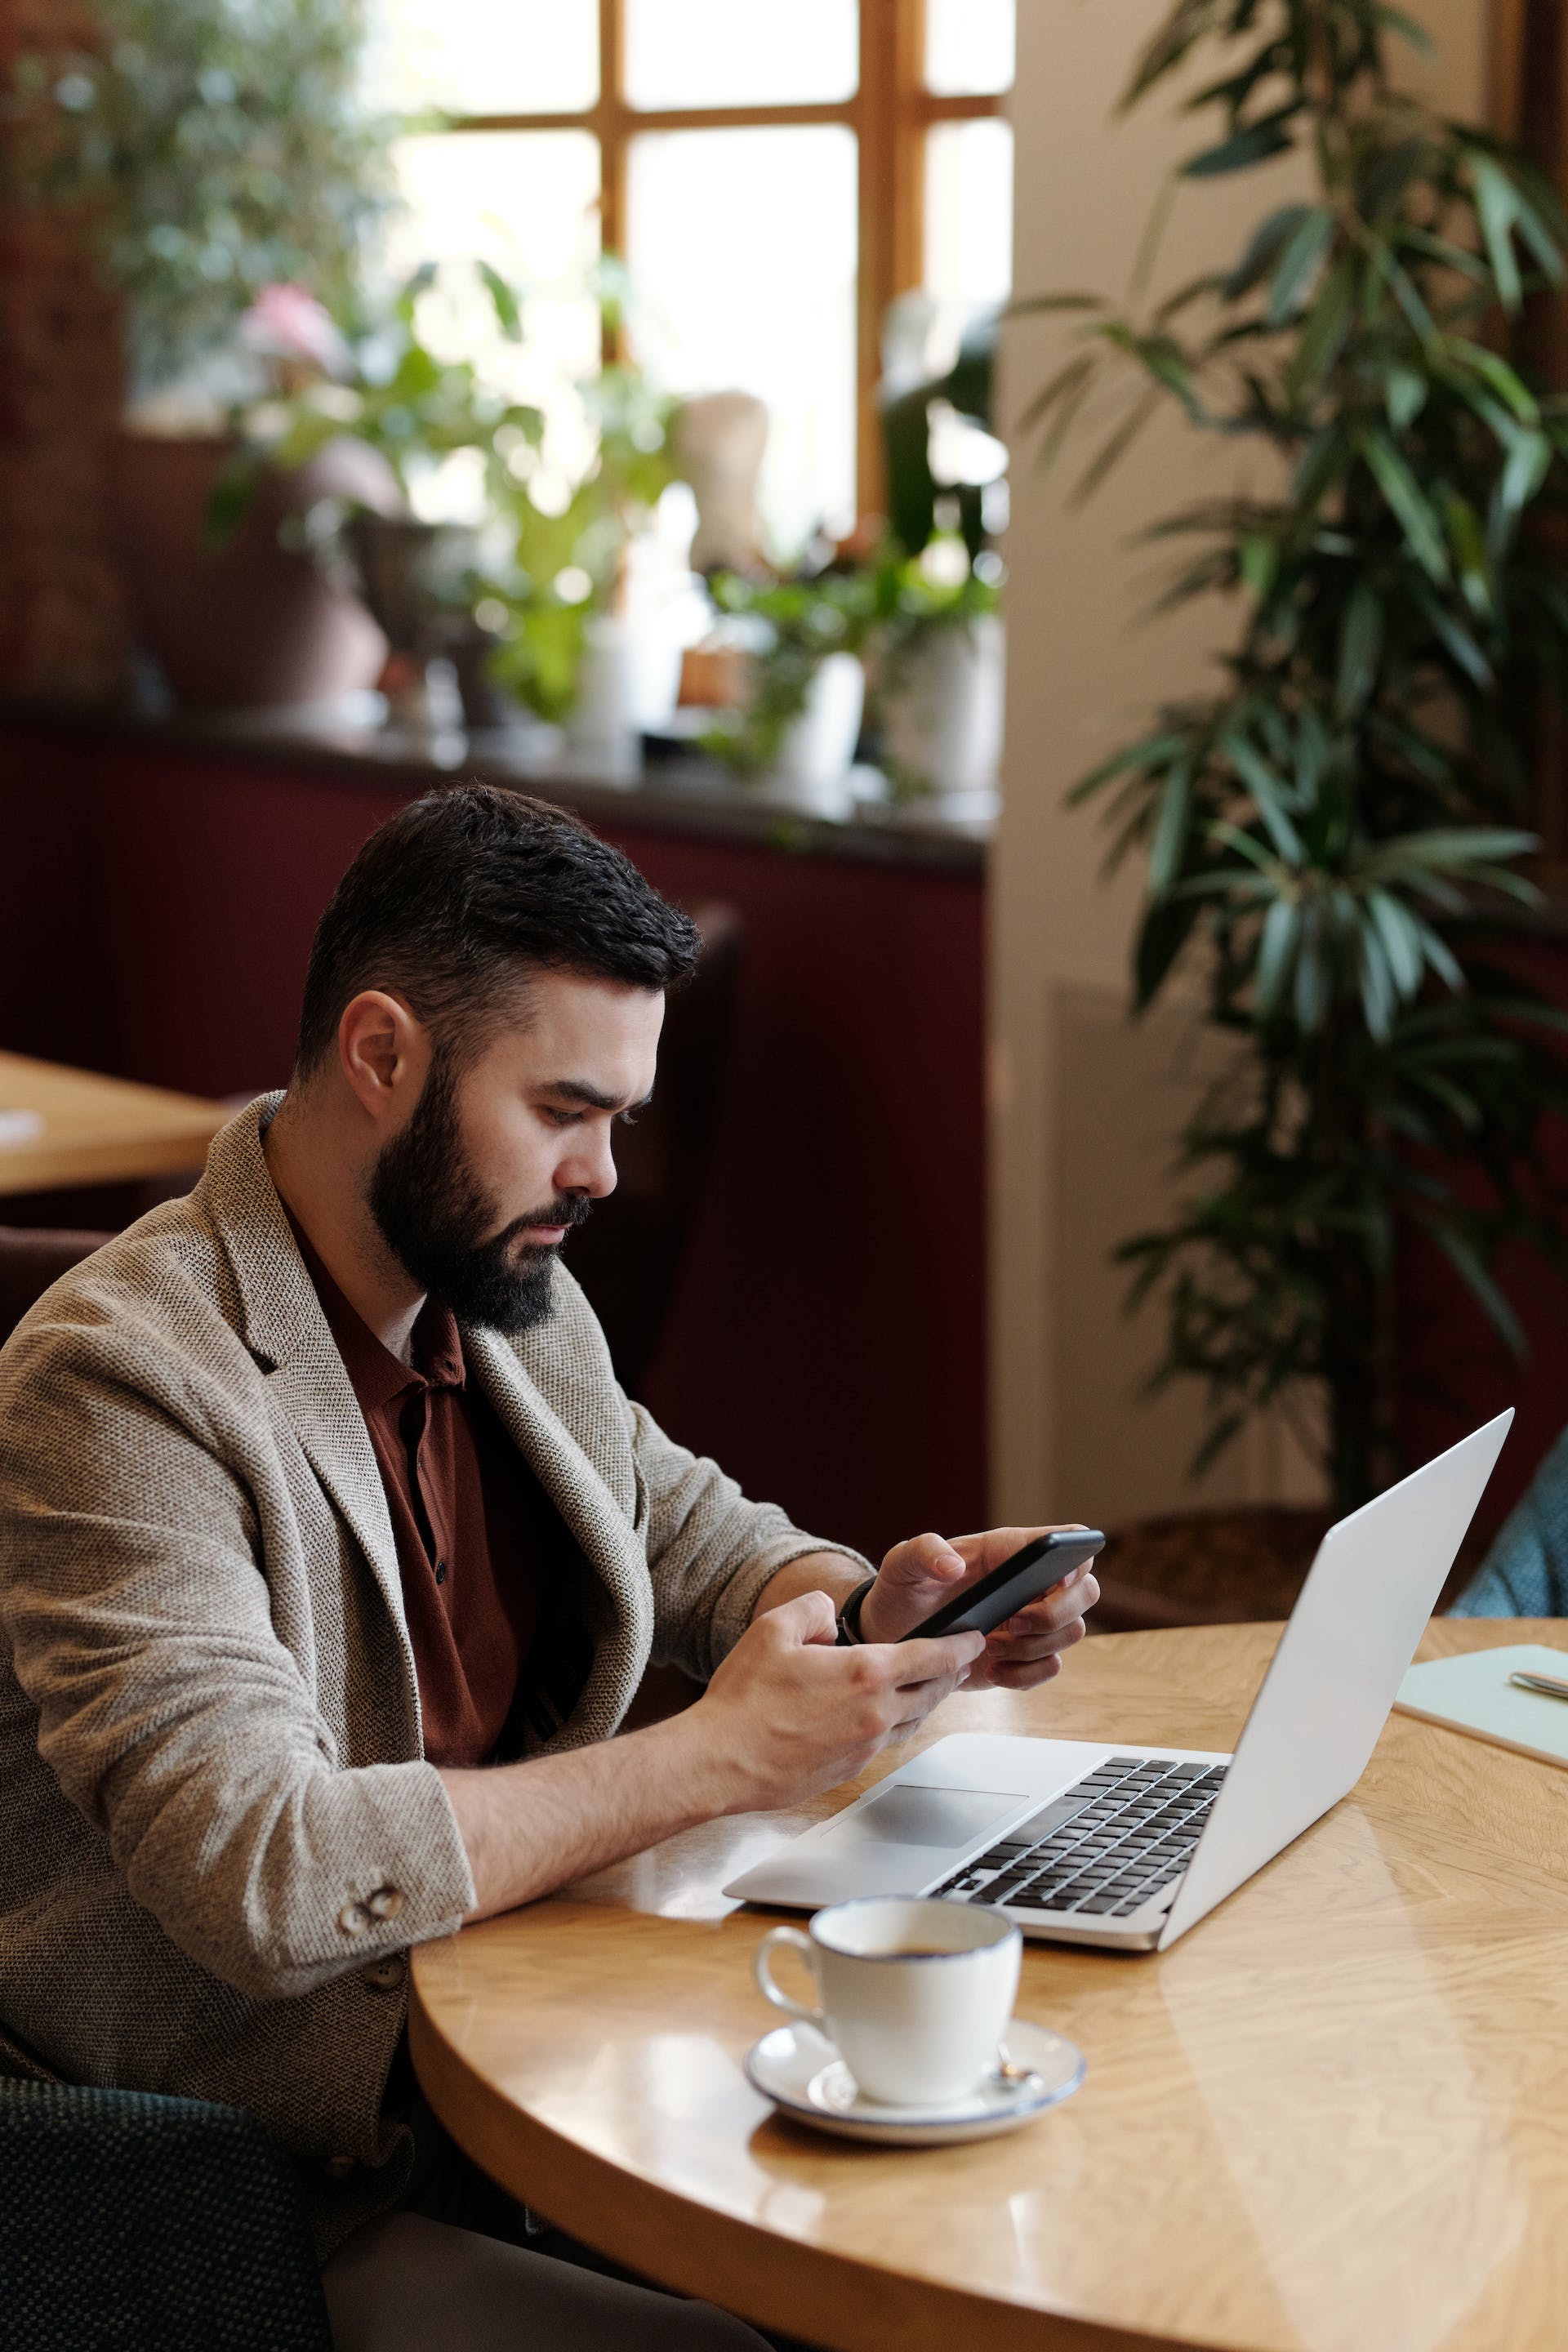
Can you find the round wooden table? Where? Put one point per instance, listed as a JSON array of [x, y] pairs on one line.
[[1333, 2118]]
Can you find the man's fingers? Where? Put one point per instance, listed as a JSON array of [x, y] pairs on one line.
[[1055, 1610], [809, 1617], [1016, 1650], [928, 1557], [999, 1544], [919, 1700], [912, 1664], [1007, 1675]]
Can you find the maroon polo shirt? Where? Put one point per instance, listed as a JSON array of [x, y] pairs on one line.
[[467, 1514]]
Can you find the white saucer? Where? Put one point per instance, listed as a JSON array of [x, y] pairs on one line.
[[800, 2070]]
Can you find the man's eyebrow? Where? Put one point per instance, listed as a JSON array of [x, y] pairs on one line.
[[578, 1090]]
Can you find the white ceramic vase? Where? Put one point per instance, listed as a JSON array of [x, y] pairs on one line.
[[627, 687], [944, 718], [817, 752]]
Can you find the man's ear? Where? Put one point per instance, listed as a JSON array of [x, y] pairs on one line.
[[383, 1053]]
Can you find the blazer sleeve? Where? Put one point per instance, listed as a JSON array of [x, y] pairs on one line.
[[709, 1551], [170, 1712]]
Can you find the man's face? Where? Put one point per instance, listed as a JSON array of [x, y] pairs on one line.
[[479, 1189]]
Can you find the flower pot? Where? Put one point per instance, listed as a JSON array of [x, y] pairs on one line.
[[942, 720], [250, 624], [818, 751]]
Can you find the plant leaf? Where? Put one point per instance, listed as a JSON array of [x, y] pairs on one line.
[[1325, 329], [1169, 844], [1303, 251], [1404, 496], [1478, 1281], [1360, 648], [1497, 209], [1253, 145], [1267, 793], [1276, 953]]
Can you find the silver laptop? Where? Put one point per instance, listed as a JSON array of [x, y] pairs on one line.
[[1089, 1843]]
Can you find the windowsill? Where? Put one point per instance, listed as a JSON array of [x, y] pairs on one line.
[[685, 795]]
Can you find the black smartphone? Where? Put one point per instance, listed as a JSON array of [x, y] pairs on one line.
[[981, 1608]]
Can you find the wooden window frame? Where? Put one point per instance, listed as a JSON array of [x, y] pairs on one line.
[[890, 113]]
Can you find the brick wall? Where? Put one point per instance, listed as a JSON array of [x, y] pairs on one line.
[[62, 622]]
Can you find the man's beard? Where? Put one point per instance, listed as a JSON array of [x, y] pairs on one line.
[[434, 1216]]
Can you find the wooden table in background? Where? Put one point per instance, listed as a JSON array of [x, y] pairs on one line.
[[1333, 2118], [98, 1130]]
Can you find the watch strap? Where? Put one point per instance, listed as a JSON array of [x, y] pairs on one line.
[[848, 1634]]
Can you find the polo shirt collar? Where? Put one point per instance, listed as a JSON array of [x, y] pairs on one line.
[[376, 1376]]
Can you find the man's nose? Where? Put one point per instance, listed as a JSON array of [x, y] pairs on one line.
[[589, 1167]]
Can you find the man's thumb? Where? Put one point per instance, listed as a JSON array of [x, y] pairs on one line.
[[810, 1617]]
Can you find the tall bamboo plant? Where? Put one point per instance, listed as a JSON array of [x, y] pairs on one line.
[[1331, 834]]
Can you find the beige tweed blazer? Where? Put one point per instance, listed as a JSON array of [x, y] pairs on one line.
[[218, 1835]]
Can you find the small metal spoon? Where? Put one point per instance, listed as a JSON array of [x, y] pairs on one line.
[[1006, 2069]]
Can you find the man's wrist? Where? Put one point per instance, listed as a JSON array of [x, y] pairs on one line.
[[849, 1615], [701, 1772], [872, 1628], [837, 1573]]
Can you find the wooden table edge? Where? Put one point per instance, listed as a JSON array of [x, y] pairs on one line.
[[692, 2249], [49, 1167]]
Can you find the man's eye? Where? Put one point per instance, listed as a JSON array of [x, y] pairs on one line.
[[563, 1117]]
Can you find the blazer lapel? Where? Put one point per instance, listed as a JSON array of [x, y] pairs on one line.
[[606, 1537], [283, 1325]]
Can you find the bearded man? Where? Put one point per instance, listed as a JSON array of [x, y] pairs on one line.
[[332, 1555]]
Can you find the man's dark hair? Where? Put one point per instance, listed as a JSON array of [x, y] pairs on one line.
[[459, 898]]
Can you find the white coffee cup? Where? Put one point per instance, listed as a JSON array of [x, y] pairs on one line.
[[916, 1993]]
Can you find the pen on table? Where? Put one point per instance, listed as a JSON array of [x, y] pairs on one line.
[[1551, 1686]]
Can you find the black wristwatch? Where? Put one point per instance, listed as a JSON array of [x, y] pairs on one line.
[[848, 1633]]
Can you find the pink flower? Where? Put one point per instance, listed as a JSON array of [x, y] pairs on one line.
[[285, 322]]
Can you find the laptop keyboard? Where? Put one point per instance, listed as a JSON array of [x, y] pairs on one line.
[[1102, 1847]]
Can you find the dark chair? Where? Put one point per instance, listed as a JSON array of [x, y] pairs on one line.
[[30, 1261], [628, 1255], [130, 2223]]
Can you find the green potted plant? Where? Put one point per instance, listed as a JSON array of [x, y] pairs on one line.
[[571, 643], [490, 525], [1330, 836], [380, 395], [206, 151], [938, 675], [938, 661], [801, 719]]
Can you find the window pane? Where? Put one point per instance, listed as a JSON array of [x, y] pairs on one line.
[[476, 56], [969, 47], [528, 202], [742, 52], [969, 212], [741, 247]]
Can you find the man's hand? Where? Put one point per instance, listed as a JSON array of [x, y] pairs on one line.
[[920, 1575], [788, 1714], [785, 1715]]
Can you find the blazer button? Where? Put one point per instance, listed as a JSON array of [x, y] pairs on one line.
[[338, 2166], [353, 1918], [386, 1975], [385, 1903]]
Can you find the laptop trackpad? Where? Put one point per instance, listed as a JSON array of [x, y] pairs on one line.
[[906, 1815], [892, 1845]]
